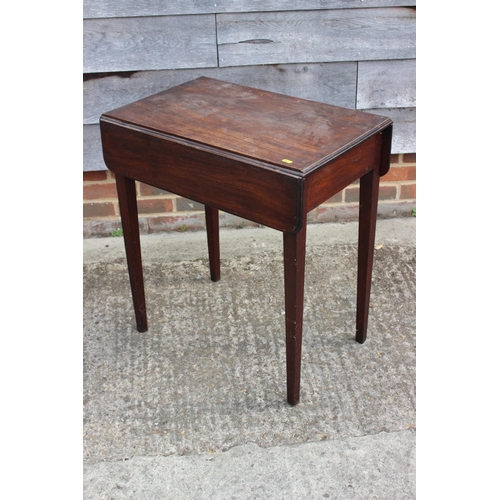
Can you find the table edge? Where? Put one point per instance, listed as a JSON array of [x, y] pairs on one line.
[[335, 154], [248, 159]]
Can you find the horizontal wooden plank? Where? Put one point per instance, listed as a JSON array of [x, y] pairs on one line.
[[147, 43], [386, 84], [333, 83], [139, 8], [404, 133], [92, 149], [316, 36]]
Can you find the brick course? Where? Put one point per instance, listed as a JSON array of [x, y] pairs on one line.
[[163, 211]]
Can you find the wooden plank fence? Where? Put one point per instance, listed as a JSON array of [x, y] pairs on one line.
[[140, 8], [315, 36], [145, 43], [351, 53]]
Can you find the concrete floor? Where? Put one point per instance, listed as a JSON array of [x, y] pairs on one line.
[[196, 406]]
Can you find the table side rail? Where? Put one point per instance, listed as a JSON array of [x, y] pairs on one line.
[[326, 181], [258, 194]]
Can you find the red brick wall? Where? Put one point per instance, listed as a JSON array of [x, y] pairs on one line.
[[163, 211]]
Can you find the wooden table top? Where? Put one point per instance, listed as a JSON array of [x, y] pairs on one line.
[[287, 132]]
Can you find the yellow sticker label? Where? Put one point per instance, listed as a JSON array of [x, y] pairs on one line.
[[284, 160]]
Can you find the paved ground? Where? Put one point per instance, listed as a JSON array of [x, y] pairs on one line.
[[195, 407]]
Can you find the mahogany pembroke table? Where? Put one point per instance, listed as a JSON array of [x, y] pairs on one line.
[[266, 157]]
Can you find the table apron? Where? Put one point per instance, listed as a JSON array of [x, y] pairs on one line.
[[327, 180], [265, 196]]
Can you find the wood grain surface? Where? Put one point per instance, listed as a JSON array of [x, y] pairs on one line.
[[279, 130], [146, 43], [133, 8], [316, 36], [387, 84]]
